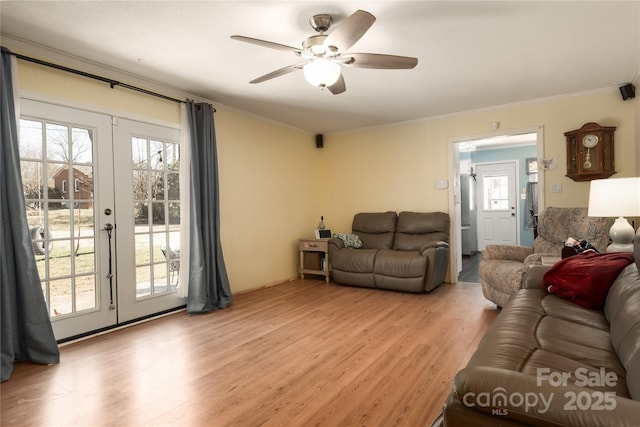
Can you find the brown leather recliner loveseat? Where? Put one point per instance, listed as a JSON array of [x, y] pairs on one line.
[[546, 361], [407, 252]]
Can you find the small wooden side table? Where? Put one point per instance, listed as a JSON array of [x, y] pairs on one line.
[[314, 257]]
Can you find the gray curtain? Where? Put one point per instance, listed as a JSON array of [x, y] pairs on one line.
[[25, 326], [208, 281], [531, 205]]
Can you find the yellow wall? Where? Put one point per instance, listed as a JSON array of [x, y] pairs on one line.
[[396, 167], [268, 176], [72, 88], [275, 184]]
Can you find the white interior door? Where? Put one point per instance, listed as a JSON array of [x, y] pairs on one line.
[[497, 207], [67, 194]]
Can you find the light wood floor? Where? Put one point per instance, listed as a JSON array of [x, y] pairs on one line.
[[304, 353]]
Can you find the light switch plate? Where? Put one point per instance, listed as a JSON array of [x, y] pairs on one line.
[[442, 184]]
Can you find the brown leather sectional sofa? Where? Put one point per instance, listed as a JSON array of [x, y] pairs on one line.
[[546, 361], [407, 252]]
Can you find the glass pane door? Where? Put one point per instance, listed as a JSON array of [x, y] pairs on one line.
[[148, 159], [497, 220], [58, 148], [156, 213]]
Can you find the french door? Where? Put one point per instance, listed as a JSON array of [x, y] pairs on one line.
[[84, 180], [147, 164], [497, 216]]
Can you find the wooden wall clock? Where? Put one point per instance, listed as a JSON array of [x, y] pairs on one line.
[[590, 152]]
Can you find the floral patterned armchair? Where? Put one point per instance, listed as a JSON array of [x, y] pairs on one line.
[[503, 267]]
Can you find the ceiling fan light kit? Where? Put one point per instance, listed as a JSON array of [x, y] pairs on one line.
[[321, 72], [326, 53]]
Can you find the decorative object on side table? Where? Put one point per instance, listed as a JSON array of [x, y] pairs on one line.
[[322, 232], [590, 153], [618, 197]]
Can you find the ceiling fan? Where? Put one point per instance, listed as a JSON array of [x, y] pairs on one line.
[[323, 54]]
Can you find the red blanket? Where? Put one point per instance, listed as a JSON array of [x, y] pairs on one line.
[[585, 279]]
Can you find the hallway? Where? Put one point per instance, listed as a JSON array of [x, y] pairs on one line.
[[470, 268]]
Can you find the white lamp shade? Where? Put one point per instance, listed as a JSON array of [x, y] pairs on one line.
[[618, 197], [615, 197], [322, 72]]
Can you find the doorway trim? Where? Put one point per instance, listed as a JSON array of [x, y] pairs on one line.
[[454, 189]]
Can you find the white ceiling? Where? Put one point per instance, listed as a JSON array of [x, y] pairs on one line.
[[472, 54]]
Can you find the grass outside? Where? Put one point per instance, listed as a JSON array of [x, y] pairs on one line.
[[73, 258]]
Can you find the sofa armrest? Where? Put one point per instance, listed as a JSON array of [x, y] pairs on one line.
[[497, 392], [506, 252], [536, 258], [533, 276], [437, 255], [336, 243], [433, 245]]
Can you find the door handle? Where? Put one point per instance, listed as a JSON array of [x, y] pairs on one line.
[[108, 227], [513, 214]]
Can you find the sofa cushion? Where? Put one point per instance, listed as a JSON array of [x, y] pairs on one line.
[[354, 260], [586, 278], [539, 330], [376, 230], [633, 376], [636, 248], [400, 263], [417, 229], [622, 310], [566, 310]]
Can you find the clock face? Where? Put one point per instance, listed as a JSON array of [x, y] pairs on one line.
[[590, 140]]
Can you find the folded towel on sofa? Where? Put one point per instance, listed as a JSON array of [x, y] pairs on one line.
[[349, 240]]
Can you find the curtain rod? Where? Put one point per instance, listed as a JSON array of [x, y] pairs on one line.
[[111, 82]]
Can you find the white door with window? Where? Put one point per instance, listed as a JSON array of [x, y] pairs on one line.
[[79, 179], [497, 216], [147, 163]]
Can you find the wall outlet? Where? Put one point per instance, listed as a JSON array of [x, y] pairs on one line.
[[556, 188]]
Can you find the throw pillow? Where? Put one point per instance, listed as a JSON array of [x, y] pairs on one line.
[[585, 279], [350, 240]]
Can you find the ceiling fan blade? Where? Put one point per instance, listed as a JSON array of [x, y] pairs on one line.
[[278, 73], [265, 43], [338, 87], [380, 61], [350, 30]]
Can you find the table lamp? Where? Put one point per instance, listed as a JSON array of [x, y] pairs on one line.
[[616, 197]]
